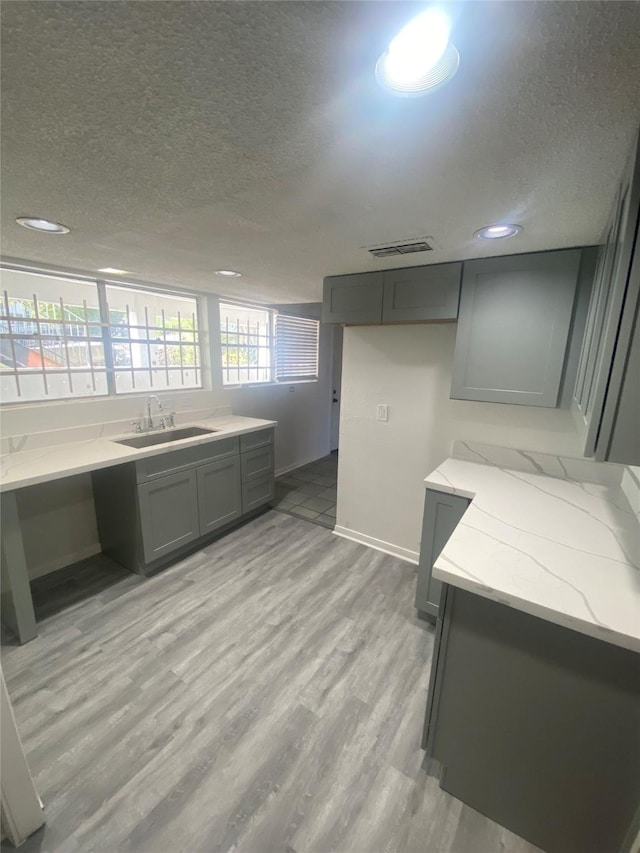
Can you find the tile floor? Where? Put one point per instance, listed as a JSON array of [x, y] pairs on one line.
[[310, 492]]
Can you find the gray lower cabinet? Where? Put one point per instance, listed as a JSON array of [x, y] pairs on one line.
[[442, 512], [257, 463], [219, 493], [153, 511], [513, 328], [259, 438], [168, 514], [421, 293], [257, 493], [535, 725]]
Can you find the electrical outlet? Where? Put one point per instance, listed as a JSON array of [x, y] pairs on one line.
[[383, 412]]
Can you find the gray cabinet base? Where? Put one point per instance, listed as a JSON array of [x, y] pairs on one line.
[[442, 512], [149, 569], [427, 617], [15, 594], [536, 726]]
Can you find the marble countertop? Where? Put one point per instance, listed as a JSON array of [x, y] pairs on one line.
[[29, 467], [560, 548]]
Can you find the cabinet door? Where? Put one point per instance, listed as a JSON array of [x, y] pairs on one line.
[[168, 514], [620, 431], [219, 495], [257, 463], [352, 298], [513, 326], [258, 493], [614, 366], [442, 513], [421, 293]]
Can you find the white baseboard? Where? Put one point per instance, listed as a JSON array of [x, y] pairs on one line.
[[62, 562], [378, 544], [287, 468]]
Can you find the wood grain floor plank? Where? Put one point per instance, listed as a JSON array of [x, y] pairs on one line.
[[264, 695]]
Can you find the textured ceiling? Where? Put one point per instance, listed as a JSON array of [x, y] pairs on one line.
[[176, 138]]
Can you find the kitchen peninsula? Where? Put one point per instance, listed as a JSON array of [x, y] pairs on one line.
[[538, 633]]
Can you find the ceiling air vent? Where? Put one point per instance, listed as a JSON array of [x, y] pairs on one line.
[[400, 249]]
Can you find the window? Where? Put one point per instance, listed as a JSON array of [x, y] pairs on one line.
[[247, 343], [296, 348], [260, 345], [64, 337], [154, 339]]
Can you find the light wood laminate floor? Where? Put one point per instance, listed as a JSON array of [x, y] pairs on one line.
[[265, 694]]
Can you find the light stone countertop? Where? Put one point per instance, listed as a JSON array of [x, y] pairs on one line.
[[29, 467], [562, 549]]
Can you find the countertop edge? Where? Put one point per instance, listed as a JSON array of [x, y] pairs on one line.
[[540, 611], [124, 454]]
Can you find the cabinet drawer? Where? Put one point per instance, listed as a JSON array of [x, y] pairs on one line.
[[178, 460], [260, 438], [257, 463], [258, 493]]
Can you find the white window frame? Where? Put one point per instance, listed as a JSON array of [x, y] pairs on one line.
[[272, 315], [110, 369]]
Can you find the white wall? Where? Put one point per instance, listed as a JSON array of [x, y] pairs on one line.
[[382, 465], [58, 518]]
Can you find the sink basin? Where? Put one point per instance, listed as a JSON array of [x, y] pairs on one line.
[[165, 436]]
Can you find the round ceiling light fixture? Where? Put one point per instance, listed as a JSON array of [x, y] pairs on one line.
[[36, 223], [420, 59], [228, 273], [498, 232]]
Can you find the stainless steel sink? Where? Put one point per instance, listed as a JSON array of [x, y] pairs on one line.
[[164, 437]]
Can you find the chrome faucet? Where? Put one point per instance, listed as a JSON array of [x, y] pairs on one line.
[[150, 424]]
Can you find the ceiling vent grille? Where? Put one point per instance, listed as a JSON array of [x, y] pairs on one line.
[[400, 249]]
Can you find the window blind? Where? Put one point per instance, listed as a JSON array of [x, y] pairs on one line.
[[296, 348]]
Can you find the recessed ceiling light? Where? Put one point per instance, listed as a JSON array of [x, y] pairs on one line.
[[114, 271], [497, 232], [420, 59], [35, 223], [229, 273]]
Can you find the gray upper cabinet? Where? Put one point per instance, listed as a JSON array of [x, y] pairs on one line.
[[168, 514], [410, 295], [605, 398], [421, 293], [442, 512], [513, 327], [352, 298], [219, 494], [624, 433]]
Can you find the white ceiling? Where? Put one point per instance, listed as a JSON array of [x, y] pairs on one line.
[[176, 138]]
